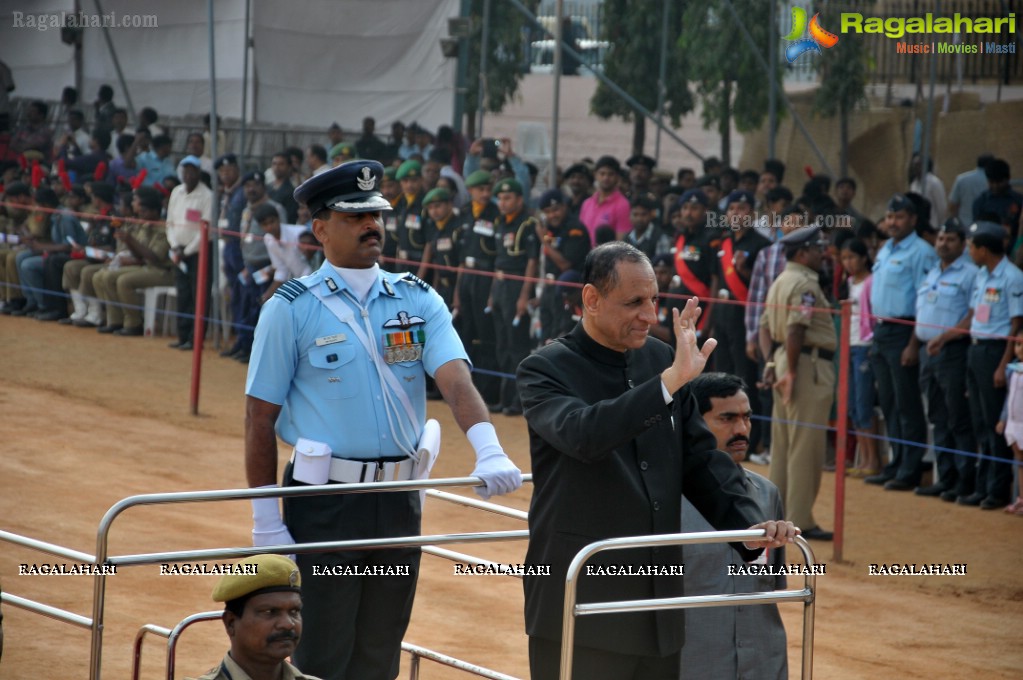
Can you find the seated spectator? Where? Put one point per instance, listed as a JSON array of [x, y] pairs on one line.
[[34, 134], [125, 167], [286, 260], [157, 161], [120, 127], [731, 642], [196, 146], [142, 261], [369, 145], [63, 230], [14, 221], [64, 272], [83, 168], [75, 140]]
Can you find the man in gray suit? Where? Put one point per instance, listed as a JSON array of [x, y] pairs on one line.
[[747, 641]]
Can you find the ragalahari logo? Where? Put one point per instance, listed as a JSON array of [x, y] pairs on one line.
[[818, 36]]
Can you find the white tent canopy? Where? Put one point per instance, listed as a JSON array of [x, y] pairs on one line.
[[312, 61]]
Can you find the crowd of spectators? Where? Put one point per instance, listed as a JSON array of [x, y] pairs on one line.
[[96, 209]]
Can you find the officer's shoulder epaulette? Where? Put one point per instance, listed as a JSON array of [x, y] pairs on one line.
[[290, 290], [413, 280]]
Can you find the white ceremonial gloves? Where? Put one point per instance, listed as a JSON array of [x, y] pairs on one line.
[[267, 526], [493, 466]]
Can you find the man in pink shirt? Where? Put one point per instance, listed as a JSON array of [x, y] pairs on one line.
[[607, 205]]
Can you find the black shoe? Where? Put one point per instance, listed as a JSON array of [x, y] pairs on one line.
[[495, 408], [27, 310], [992, 503], [184, 346], [51, 315], [817, 534], [83, 323], [932, 490], [972, 499], [511, 411], [110, 329], [898, 485], [242, 357], [65, 321], [132, 332], [176, 344], [879, 480], [949, 496], [229, 353]]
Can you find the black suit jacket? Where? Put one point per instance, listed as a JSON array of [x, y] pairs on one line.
[[607, 461]]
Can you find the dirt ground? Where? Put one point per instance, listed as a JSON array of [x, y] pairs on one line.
[[90, 419]]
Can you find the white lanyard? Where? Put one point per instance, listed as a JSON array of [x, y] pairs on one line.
[[387, 377]]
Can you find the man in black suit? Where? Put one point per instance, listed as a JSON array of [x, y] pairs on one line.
[[615, 440]]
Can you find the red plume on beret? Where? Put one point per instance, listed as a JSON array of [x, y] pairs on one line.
[[101, 171], [161, 188], [138, 180], [37, 175], [65, 179]]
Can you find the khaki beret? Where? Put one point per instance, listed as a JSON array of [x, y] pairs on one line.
[[268, 573]]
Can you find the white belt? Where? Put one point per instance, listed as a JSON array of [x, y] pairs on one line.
[[357, 471]]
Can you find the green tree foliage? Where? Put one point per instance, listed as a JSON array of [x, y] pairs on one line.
[[843, 73], [505, 56], [633, 27], [729, 80]]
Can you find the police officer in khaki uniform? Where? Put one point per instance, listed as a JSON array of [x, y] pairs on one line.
[[798, 336], [13, 225], [263, 617]]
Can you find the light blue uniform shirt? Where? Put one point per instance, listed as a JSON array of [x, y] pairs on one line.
[[312, 364], [943, 299], [898, 272], [997, 299]]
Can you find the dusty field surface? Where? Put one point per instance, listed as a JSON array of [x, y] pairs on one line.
[[90, 419]]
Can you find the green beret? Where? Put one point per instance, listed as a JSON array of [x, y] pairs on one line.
[[436, 196], [506, 185], [478, 179], [259, 573], [390, 171], [409, 169], [343, 149]]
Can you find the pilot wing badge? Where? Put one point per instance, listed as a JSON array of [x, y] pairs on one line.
[[367, 181]]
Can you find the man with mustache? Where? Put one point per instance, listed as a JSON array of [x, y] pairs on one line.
[[263, 617], [732, 642], [338, 369]]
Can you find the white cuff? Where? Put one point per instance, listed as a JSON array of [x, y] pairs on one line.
[[482, 436], [265, 511], [664, 393]]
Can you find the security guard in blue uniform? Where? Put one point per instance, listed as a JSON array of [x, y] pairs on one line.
[[472, 300], [409, 223], [943, 319], [997, 305], [338, 369], [899, 270], [518, 255]]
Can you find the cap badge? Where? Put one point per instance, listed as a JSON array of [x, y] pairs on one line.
[[367, 181], [293, 578]]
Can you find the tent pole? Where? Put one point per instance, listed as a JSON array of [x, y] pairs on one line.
[[559, 36], [117, 64], [245, 86]]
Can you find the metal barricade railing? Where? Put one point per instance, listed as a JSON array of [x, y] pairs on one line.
[[102, 559], [415, 651], [572, 610]]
